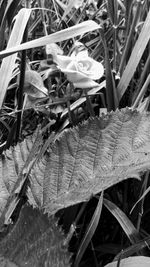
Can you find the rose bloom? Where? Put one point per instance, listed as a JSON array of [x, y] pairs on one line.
[[80, 69]]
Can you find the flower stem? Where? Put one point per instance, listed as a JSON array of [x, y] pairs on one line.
[[89, 104]]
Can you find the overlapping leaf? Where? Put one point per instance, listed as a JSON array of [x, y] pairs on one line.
[[92, 157], [35, 240], [84, 161], [14, 163]]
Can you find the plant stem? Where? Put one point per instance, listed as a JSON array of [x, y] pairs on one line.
[[21, 86]]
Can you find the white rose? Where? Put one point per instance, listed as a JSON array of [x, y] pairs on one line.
[[80, 69]]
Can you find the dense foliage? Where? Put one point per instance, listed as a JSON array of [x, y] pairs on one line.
[[61, 63]]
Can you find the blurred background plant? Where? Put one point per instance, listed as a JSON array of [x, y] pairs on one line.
[[61, 80]]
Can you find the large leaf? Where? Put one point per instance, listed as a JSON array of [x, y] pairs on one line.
[[83, 161], [92, 157], [35, 240]]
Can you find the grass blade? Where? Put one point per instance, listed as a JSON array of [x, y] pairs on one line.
[[123, 220], [90, 231], [111, 93], [129, 38], [59, 36], [141, 245], [135, 57], [8, 64], [142, 92]]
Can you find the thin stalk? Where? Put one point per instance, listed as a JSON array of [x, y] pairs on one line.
[[73, 225], [111, 92], [115, 33], [41, 5], [89, 104], [128, 16], [142, 201], [21, 85]]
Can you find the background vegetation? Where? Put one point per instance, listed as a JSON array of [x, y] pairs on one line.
[[36, 89]]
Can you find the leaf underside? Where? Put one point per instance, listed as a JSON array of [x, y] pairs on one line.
[[85, 160], [35, 240]]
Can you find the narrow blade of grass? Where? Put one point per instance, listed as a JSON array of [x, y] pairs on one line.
[[59, 36], [90, 231], [10, 4], [142, 78], [111, 92], [134, 248], [8, 64], [123, 220], [142, 92], [143, 196], [135, 57], [129, 39]]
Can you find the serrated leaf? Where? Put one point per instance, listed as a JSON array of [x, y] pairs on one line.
[[15, 165], [6, 263], [87, 159], [35, 240], [92, 157]]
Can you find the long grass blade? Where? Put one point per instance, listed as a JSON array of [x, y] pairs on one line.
[[59, 36], [135, 57], [129, 38], [90, 231], [111, 92], [141, 245], [142, 78], [142, 92], [123, 220], [8, 64]]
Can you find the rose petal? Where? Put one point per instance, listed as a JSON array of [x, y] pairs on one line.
[[80, 69], [96, 69], [79, 80], [85, 84], [73, 66], [62, 61]]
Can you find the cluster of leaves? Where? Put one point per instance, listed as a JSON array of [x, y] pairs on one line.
[[99, 64]]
